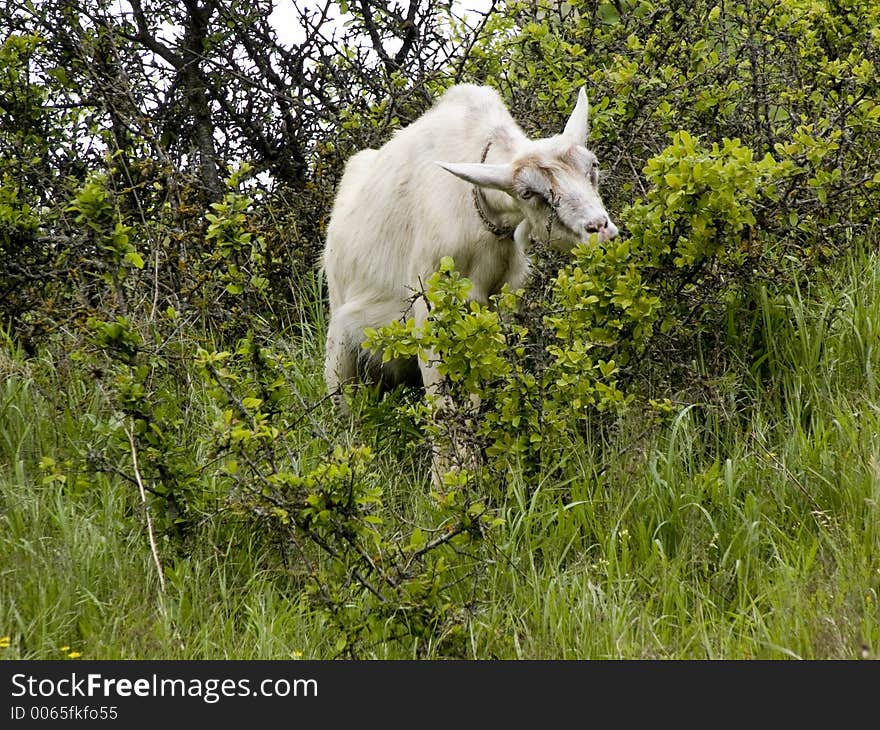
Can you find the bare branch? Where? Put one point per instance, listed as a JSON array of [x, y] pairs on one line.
[[146, 506]]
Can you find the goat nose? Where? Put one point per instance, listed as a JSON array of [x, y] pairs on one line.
[[608, 232], [596, 223], [602, 226]]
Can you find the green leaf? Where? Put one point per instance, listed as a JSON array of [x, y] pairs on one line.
[[608, 13], [135, 259]]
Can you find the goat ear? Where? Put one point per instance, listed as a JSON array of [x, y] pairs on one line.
[[577, 128], [499, 177]]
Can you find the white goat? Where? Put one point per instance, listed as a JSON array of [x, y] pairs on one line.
[[397, 213]]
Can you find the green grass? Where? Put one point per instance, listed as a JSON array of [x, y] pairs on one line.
[[744, 527]]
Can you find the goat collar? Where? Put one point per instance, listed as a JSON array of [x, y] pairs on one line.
[[480, 204]]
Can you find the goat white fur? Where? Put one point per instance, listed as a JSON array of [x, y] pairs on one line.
[[398, 211]]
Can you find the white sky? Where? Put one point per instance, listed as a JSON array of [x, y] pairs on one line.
[[286, 21]]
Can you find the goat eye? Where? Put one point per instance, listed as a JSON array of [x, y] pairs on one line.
[[526, 194]]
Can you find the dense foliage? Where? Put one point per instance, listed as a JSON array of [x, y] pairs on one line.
[[675, 445]]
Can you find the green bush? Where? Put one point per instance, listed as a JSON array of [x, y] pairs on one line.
[[634, 439]]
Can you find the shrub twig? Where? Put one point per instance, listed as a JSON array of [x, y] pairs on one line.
[[150, 533]]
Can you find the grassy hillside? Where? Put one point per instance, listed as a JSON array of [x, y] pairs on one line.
[[745, 525], [676, 452]]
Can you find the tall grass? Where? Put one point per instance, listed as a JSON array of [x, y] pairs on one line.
[[744, 527]]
